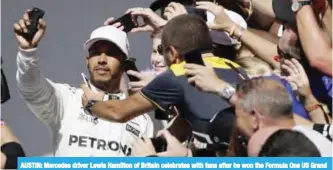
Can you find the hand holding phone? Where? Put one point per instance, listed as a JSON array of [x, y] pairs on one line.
[[34, 15], [129, 64], [126, 21], [194, 57]]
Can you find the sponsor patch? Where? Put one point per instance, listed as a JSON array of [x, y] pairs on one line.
[[133, 130]]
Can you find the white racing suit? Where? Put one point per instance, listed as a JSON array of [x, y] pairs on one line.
[[74, 132]]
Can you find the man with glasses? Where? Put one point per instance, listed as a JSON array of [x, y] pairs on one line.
[[74, 132]]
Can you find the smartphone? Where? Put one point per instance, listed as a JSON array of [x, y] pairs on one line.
[[160, 144], [194, 57], [126, 21], [129, 64], [86, 80], [191, 10], [34, 15]]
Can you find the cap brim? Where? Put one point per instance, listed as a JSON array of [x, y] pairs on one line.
[[222, 38], [158, 4], [223, 124], [90, 42]]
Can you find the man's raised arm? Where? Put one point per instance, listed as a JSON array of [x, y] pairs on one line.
[[317, 50], [39, 93]]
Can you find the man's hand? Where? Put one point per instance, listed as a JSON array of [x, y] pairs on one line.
[[297, 76], [204, 78], [88, 94], [174, 148], [143, 147], [222, 22], [21, 27], [151, 20], [174, 9], [117, 24], [145, 78]]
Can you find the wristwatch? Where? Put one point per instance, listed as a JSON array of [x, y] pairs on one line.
[[89, 106], [297, 5], [227, 92]]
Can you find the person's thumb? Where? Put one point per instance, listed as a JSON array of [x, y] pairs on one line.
[[213, 26]]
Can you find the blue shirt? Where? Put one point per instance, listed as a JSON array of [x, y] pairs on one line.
[[321, 87], [298, 107]]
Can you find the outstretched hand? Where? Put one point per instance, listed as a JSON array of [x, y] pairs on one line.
[[174, 9], [204, 78], [297, 76], [144, 77], [151, 20], [222, 22], [21, 27]]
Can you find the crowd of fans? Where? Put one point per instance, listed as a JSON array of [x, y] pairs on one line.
[[265, 88]]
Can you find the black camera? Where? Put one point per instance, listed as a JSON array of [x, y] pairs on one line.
[[160, 144]]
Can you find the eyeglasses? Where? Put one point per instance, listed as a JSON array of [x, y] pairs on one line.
[[161, 49]]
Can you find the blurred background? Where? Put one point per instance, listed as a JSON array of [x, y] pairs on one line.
[[69, 24]]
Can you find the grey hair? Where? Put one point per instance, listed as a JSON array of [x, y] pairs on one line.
[[266, 95]]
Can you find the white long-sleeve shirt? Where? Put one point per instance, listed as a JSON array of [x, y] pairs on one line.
[[74, 132]]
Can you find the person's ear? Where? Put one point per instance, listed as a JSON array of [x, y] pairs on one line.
[[175, 56], [87, 61], [255, 116]]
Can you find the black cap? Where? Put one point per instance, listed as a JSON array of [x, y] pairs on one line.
[[216, 132], [283, 12], [222, 127], [158, 4]]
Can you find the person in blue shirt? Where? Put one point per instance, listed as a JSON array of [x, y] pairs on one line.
[[256, 67]]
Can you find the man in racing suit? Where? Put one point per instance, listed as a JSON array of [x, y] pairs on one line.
[[74, 132]]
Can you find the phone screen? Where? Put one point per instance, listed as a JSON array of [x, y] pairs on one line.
[[194, 57], [126, 21]]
